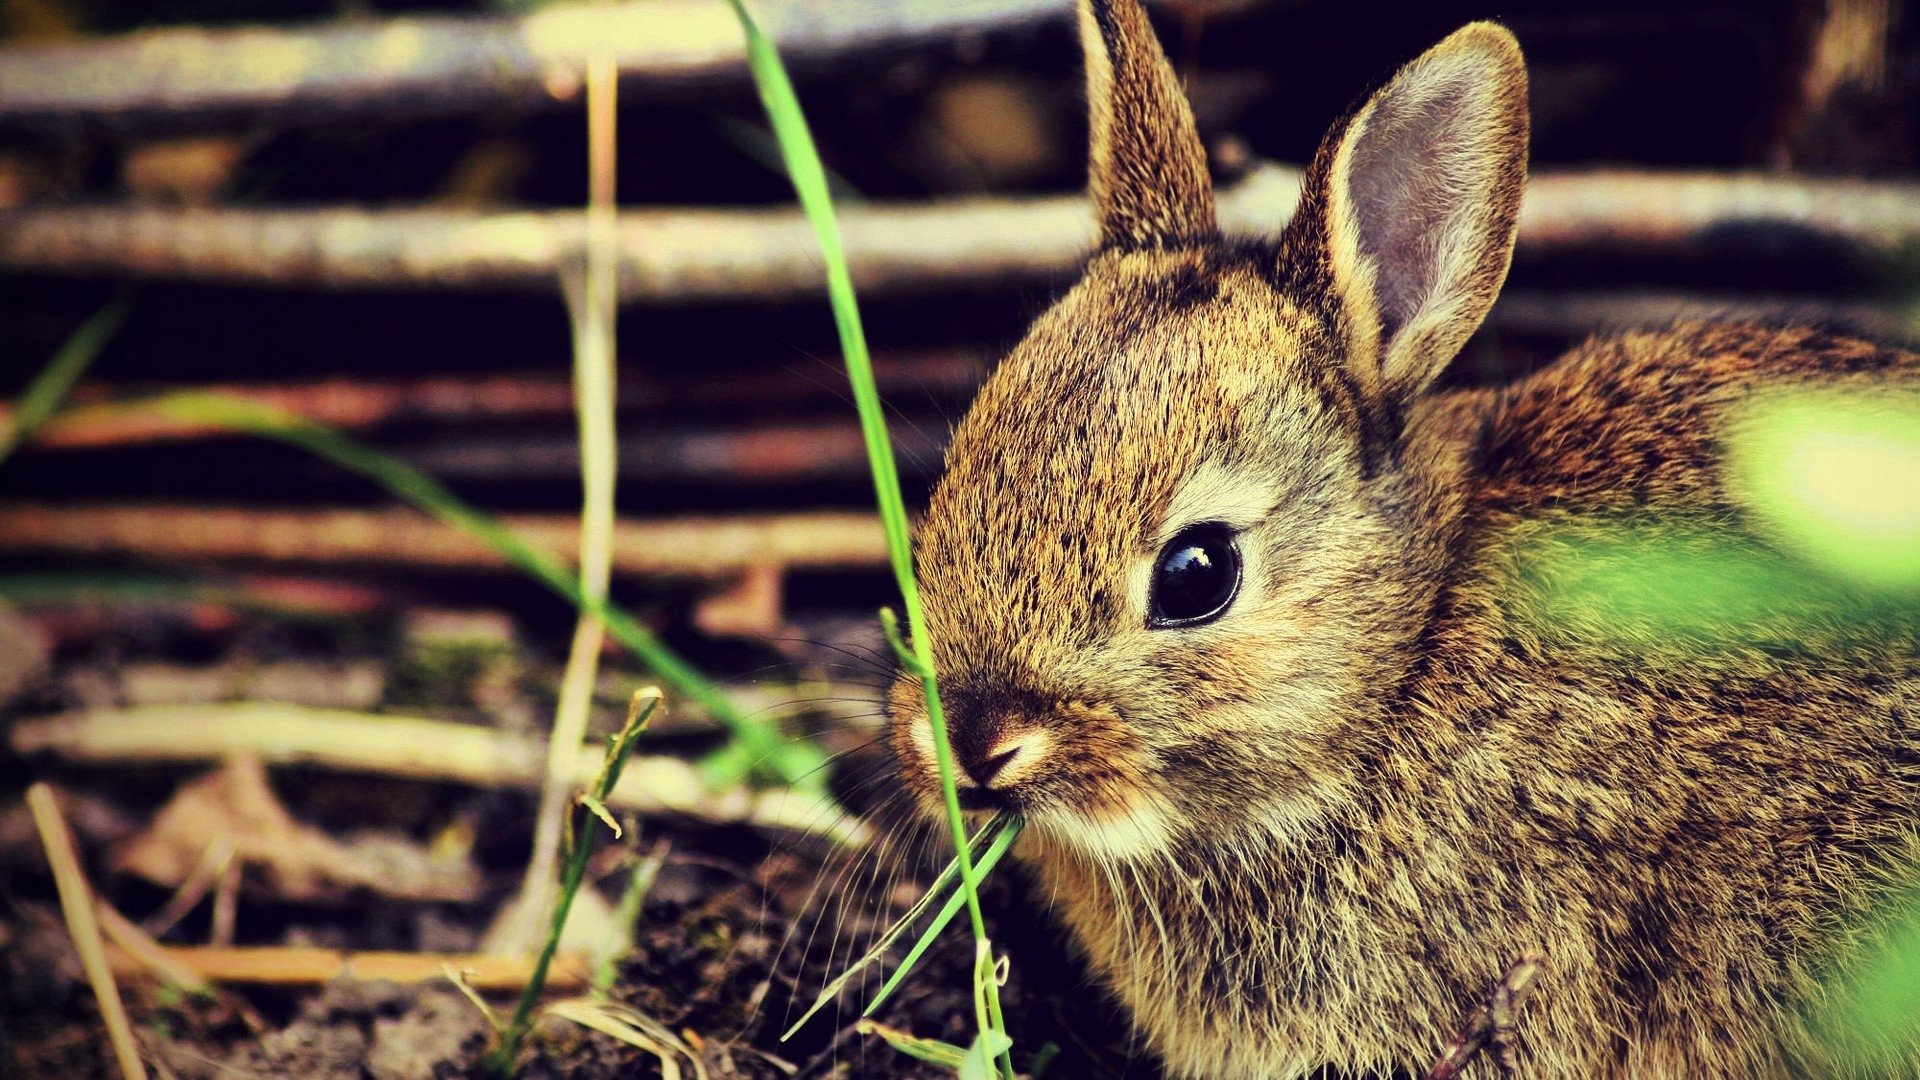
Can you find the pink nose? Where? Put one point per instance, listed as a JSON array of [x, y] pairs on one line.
[[984, 767]]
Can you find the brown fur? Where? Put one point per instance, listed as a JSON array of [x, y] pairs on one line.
[[1317, 830]]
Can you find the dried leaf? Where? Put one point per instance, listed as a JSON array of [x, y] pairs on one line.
[[234, 807]]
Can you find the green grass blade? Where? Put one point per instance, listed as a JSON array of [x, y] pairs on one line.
[[978, 1064], [579, 846], [758, 145], [49, 388], [1009, 830], [941, 886], [626, 918], [810, 184], [932, 1051], [795, 765]]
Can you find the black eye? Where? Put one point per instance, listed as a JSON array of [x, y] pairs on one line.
[[1195, 577]]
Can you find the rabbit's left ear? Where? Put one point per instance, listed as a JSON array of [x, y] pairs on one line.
[[1409, 210], [1148, 173]]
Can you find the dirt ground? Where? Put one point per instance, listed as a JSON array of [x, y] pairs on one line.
[[739, 931]]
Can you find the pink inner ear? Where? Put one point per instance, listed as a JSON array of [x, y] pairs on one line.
[[1410, 174]]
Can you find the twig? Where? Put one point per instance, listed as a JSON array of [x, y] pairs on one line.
[[226, 904], [294, 965], [754, 746], [76, 903], [402, 746], [137, 943], [699, 548], [1492, 1024], [206, 873], [789, 449], [685, 254]]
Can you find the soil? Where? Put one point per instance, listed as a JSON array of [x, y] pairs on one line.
[[740, 929]]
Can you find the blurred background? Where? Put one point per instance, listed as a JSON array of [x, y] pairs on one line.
[[361, 213]]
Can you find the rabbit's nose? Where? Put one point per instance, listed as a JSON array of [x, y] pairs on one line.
[[1004, 761]]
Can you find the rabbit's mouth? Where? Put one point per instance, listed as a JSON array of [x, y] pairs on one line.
[[987, 800]]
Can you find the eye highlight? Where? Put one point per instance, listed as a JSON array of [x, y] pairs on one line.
[[1195, 577]]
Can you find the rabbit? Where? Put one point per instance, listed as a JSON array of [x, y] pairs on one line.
[[1226, 599]]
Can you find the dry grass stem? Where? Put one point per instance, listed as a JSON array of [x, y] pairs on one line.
[[76, 904], [127, 937], [211, 867], [299, 965], [634, 1028], [593, 306]]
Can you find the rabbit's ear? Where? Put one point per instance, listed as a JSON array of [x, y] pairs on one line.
[[1148, 173], [1408, 212]]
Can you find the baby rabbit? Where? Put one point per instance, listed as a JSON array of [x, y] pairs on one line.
[[1233, 608]]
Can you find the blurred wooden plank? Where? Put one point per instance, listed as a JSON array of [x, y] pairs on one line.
[[1564, 315], [759, 254], [93, 419], [703, 548], [413, 748], [443, 65], [493, 429]]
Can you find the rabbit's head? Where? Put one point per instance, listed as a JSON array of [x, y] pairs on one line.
[[1170, 565]]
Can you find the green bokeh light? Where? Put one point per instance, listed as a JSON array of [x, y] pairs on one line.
[[1833, 476]]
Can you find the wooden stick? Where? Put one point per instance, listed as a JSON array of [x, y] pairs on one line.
[[683, 254], [798, 452], [426, 66], [76, 903], [294, 965], [406, 747], [784, 451], [1564, 315], [469, 446], [700, 548]]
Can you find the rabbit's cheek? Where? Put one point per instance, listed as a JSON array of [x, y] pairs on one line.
[[907, 737], [1097, 767], [1145, 829]]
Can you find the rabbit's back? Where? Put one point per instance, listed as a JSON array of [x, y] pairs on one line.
[[1706, 795], [1637, 420]]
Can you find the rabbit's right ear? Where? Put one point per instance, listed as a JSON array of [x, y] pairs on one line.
[[1408, 213], [1148, 169]]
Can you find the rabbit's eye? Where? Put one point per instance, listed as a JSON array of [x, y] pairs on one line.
[[1195, 578]]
